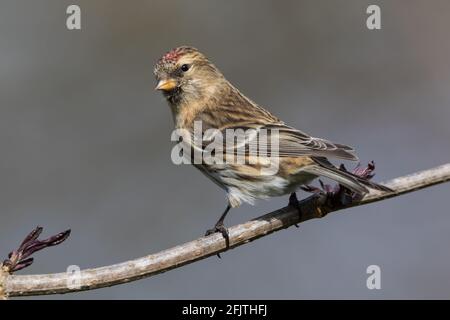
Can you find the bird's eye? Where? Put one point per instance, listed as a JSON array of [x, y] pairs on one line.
[[184, 67]]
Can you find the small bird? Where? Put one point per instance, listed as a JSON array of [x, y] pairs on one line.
[[197, 91]]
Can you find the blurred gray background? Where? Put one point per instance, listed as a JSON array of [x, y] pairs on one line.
[[85, 140]]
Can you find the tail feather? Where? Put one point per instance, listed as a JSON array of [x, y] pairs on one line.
[[370, 184], [356, 183], [339, 176]]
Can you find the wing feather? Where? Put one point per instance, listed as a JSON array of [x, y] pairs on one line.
[[291, 142]]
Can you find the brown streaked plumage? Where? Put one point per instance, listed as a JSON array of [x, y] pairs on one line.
[[197, 91]]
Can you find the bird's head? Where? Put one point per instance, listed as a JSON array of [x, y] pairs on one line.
[[185, 74]]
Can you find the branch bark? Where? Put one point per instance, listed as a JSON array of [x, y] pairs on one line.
[[315, 206]]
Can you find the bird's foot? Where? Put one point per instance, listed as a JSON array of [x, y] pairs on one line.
[[219, 227], [293, 202]]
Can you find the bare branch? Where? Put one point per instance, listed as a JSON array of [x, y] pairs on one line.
[[314, 206]]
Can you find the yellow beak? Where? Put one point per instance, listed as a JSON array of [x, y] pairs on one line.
[[166, 84]]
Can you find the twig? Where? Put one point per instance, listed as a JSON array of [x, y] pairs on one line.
[[314, 206]]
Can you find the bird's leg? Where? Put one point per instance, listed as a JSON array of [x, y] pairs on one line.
[[219, 227], [293, 202]]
